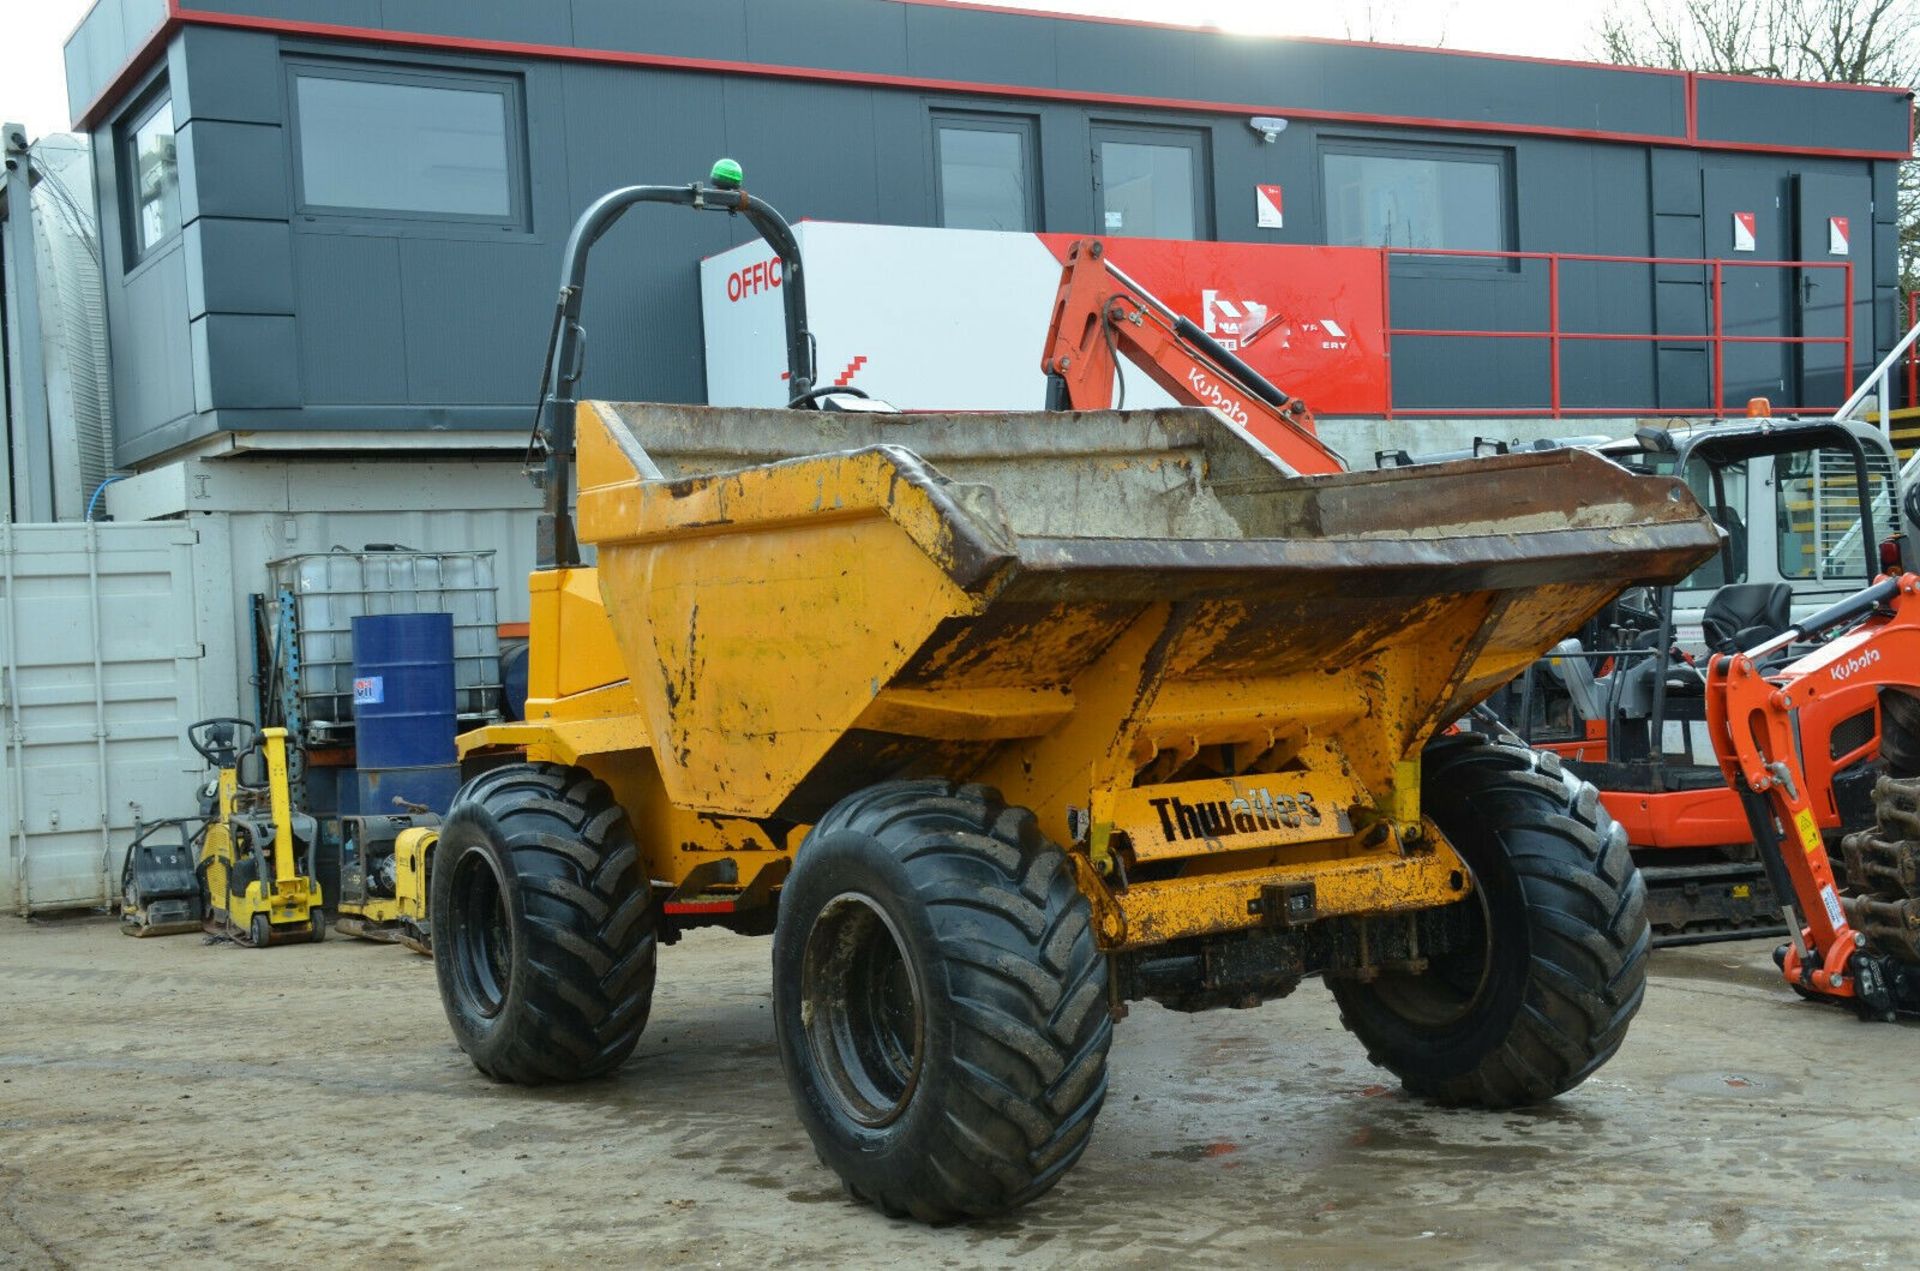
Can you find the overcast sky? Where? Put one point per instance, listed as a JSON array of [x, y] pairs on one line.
[[33, 91]]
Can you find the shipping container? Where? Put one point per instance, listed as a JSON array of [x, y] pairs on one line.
[[101, 669]]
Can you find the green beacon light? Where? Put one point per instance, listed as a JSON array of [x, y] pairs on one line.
[[727, 175]]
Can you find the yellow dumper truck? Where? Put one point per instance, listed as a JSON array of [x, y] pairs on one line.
[[998, 722]]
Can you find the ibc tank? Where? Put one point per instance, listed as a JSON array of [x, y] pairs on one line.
[[403, 711]]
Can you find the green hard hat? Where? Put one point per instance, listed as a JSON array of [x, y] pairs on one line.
[[727, 174]]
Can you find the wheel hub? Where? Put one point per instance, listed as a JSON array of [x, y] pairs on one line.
[[862, 1008], [481, 947]]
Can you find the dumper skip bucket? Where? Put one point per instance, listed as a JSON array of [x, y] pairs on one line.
[[809, 602]]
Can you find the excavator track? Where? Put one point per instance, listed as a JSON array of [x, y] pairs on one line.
[[1711, 902], [1883, 868]]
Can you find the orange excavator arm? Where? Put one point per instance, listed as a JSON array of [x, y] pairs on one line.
[[1859, 949], [1100, 314]]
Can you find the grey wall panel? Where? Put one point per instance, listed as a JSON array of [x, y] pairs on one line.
[[245, 360], [1802, 115], [642, 308], [229, 169], [944, 44], [1118, 59], [152, 355], [221, 74], [830, 34], [1263, 73], [106, 39], [476, 317], [829, 173], [93, 52], [361, 13], [1380, 81], [239, 266], [541, 22], [351, 337], [1675, 177], [712, 28]]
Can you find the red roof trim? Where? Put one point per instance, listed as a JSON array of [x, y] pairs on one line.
[[414, 39]]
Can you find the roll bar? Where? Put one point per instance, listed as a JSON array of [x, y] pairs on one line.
[[566, 344]]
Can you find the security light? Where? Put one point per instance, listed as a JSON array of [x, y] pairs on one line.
[[1268, 126]]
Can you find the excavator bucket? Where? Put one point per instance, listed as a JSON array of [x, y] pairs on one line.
[[808, 602]]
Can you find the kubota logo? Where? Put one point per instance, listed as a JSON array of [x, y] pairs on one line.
[[1256, 813], [1846, 669], [1213, 395]]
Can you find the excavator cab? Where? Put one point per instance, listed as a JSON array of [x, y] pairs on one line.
[[1801, 506]]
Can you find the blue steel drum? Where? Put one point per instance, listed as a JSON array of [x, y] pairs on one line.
[[403, 702]]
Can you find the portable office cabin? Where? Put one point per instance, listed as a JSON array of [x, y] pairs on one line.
[[338, 222]]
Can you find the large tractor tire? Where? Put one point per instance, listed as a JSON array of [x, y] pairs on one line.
[[1543, 993], [940, 1003], [543, 925]]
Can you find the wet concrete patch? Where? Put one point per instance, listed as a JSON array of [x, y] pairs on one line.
[[1229, 1139]]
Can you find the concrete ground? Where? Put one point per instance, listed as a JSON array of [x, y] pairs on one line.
[[162, 1101]]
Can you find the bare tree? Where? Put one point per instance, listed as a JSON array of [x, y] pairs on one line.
[[1840, 41], [1400, 21]]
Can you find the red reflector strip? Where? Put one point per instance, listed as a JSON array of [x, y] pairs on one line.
[[701, 906]]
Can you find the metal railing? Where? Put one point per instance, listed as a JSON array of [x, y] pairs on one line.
[[1877, 387], [1557, 336]]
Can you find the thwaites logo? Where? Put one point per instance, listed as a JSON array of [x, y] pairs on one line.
[[1257, 813], [1845, 670]]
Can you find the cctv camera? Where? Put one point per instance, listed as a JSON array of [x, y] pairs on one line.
[[1268, 126]]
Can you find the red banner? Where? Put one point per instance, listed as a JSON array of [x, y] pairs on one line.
[[1310, 319]]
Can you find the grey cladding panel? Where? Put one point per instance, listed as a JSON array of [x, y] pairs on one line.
[[233, 170], [1263, 72], [828, 175], [104, 42], [535, 22], [828, 34], [245, 361], [228, 75], [476, 316], [987, 48], [361, 13], [622, 128], [1124, 59], [239, 266], [1799, 115], [1378, 81], [706, 28], [351, 338], [1676, 183], [642, 308], [100, 39], [152, 357]]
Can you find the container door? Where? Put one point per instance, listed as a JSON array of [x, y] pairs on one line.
[[1834, 226], [1746, 220], [100, 669]]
